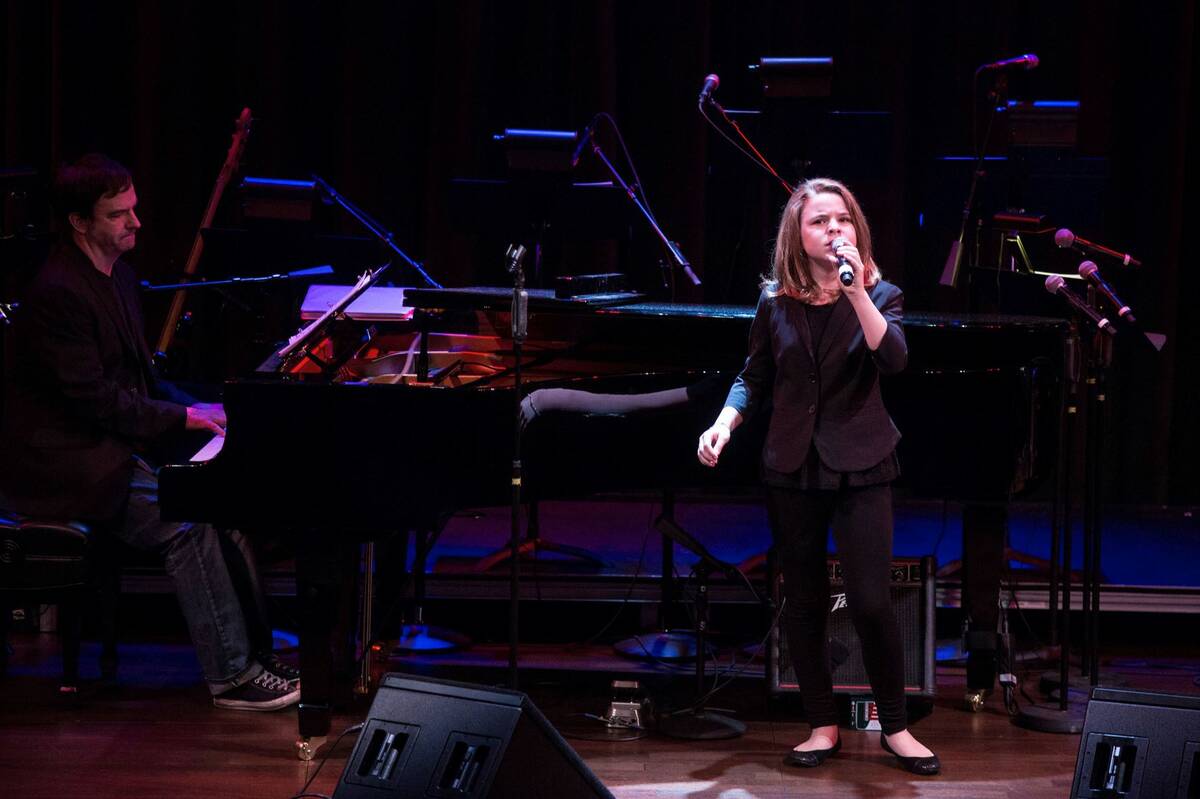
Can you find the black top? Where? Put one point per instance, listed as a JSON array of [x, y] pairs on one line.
[[80, 396], [815, 475], [818, 320], [825, 394]]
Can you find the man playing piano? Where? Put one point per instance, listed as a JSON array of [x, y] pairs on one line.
[[84, 414]]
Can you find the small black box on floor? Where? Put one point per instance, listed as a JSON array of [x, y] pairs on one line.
[[450, 740], [912, 585], [1139, 745]]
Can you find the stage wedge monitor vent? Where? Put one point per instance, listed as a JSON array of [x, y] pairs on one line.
[[1139, 745], [450, 740]]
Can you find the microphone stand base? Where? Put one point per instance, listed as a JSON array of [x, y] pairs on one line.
[[1050, 682], [424, 638], [1049, 718], [669, 645]]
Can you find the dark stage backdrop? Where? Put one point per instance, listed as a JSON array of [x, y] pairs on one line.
[[390, 101]]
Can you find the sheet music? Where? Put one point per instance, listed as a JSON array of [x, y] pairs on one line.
[[376, 304], [209, 450], [364, 280]]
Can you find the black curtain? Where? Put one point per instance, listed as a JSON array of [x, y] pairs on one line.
[[390, 100]]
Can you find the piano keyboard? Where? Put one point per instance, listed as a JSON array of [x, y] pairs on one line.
[[209, 450]]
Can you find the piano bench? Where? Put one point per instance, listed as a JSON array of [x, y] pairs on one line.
[[51, 561]]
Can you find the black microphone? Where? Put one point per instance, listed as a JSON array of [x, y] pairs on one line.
[[1027, 61], [1090, 271], [1065, 238], [845, 270], [1056, 285], [710, 85]]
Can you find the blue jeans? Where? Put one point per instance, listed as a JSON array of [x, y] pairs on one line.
[[215, 580]]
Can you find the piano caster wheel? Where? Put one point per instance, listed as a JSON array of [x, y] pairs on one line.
[[306, 748], [975, 700]]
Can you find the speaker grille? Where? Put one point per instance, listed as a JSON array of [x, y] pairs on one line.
[[912, 599]]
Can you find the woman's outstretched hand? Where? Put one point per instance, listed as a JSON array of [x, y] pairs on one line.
[[712, 441]]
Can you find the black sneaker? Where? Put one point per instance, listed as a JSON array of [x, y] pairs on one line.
[[277, 665], [267, 691]]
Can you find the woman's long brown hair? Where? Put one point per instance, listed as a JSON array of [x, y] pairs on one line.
[[791, 272]]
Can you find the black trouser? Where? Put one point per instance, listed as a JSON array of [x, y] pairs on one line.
[[862, 531]]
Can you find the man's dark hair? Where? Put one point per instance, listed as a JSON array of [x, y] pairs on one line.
[[78, 186]]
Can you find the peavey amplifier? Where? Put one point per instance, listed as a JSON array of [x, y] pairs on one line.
[[913, 600]]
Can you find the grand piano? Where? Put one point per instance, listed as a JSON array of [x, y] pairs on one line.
[[392, 425]]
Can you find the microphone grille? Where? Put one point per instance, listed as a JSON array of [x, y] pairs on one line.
[[1088, 268], [1064, 238], [1031, 61], [1054, 283], [840, 241]]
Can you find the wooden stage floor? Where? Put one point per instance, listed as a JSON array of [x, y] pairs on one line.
[[157, 734]]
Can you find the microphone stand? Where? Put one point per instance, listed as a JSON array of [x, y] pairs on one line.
[[520, 326], [996, 97], [163, 360], [1099, 363], [297, 274], [753, 154], [1066, 717], [374, 228], [670, 246]]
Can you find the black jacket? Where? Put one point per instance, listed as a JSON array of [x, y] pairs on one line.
[[80, 390], [829, 398]]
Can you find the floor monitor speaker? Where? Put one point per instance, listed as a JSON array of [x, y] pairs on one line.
[[1139, 745], [451, 740]]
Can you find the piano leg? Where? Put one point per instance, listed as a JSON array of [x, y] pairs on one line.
[[326, 572], [983, 529]]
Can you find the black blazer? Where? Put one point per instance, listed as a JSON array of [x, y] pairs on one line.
[[829, 398], [79, 393]]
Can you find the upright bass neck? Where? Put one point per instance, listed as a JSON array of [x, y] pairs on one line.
[[241, 132]]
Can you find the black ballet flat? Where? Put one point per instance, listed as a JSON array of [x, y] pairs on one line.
[[924, 766], [813, 757]]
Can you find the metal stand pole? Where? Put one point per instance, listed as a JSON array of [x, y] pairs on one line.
[[520, 319], [1067, 717]]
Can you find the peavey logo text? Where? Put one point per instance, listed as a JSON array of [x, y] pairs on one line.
[[839, 602]]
